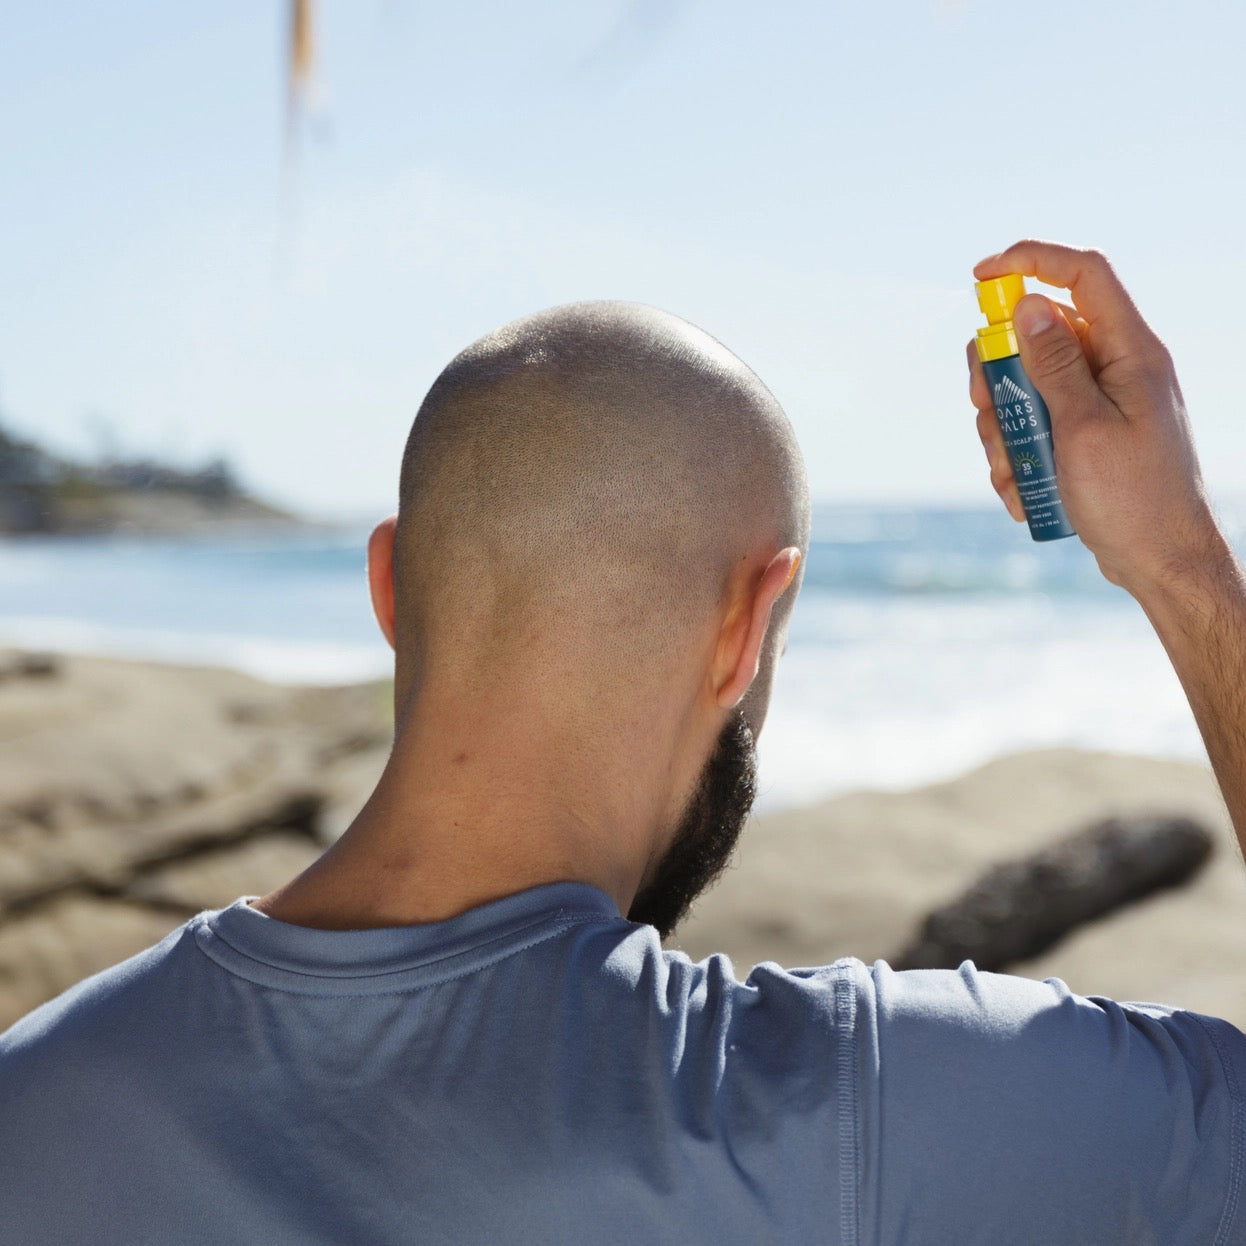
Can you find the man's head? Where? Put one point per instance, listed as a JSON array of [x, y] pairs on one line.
[[599, 507]]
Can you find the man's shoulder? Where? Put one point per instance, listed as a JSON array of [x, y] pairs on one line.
[[804, 1010], [113, 999]]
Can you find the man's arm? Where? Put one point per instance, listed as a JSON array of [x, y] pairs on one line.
[[1201, 620], [1130, 482]]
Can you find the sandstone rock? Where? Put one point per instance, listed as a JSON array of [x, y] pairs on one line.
[[347, 785], [216, 877], [134, 794], [111, 740], [37, 860], [67, 939], [20, 665]]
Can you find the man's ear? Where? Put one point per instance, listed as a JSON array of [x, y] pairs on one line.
[[743, 633], [381, 574]]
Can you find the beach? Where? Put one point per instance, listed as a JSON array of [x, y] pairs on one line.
[[134, 794]]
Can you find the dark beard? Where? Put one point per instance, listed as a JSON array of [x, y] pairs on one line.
[[708, 831]]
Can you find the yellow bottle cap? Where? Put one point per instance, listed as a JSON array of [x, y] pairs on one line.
[[998, 298]]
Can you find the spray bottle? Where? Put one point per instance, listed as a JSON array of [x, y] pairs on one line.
[[1022, 414]]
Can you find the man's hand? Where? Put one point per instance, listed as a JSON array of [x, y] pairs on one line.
[[1125, 461], [1129, 479]]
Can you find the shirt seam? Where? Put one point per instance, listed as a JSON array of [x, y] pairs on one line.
[[1229, 1214], [564, 916], [562, 925], [849, 1129]]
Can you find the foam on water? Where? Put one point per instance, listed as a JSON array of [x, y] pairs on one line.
[[283, 661], [290, 608], [897, 693]]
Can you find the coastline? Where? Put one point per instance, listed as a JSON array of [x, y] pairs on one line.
[[134, 794]]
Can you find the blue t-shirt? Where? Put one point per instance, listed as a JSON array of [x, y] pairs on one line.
[[539, 1070]]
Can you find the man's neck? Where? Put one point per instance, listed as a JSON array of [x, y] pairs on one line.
[[474, 806]]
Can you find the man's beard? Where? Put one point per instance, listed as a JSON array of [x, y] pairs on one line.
[[707, 833]]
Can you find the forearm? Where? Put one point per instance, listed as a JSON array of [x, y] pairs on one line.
[[1199, 615]]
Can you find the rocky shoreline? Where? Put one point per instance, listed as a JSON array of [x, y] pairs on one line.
[[47, 494], [133, 795]]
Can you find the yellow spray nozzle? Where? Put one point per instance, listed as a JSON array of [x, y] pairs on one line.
[[997, 298]]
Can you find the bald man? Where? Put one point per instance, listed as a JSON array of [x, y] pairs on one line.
[[602, 515], [460, 1025]]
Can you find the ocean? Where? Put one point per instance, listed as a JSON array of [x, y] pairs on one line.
[[925, 641]]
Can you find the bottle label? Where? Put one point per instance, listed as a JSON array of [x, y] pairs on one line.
[[1026, 425]]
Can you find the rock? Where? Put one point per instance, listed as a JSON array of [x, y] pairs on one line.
[[214, 878], [111, 741], [134, 794], [347, 785], [40, 860], [328, 723], [114, 767], [1019, 909], [43, 952], [28, 666]]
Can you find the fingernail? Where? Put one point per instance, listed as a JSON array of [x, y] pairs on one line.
[[1034, 315]]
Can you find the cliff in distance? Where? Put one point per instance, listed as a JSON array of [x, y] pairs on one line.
[[42, 493]]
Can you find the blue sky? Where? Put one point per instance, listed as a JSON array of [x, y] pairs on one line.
[[810, 182]]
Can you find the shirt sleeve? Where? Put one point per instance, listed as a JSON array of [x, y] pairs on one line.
[[997, 1109]]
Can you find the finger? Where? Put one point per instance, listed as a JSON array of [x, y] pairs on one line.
[[991, 438], [1097, 293], [1004, 482], [990, 434], [1052, 356], [979, 391], [1076, 323], [1081, 328], [1002, 479], [1012, 500]]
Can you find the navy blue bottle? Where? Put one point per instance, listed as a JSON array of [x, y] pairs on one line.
[[1022, 414]]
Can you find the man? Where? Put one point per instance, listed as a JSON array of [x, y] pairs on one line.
[[446, 1030]]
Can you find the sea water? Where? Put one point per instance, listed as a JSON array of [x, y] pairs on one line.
[[925, 640]]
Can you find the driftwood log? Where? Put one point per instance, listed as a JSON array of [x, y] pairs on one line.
[[1019, 909]]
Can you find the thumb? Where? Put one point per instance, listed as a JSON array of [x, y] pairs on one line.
[[1052, 356]]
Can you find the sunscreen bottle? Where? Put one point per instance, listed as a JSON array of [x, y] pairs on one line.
[[1022, 414]]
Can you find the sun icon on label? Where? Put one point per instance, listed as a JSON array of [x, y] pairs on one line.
[[1025, 464]]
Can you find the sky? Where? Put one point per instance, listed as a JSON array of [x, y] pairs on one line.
[[810, 181]]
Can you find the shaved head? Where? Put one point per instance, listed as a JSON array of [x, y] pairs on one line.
[[602, 520], [583, 481]]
